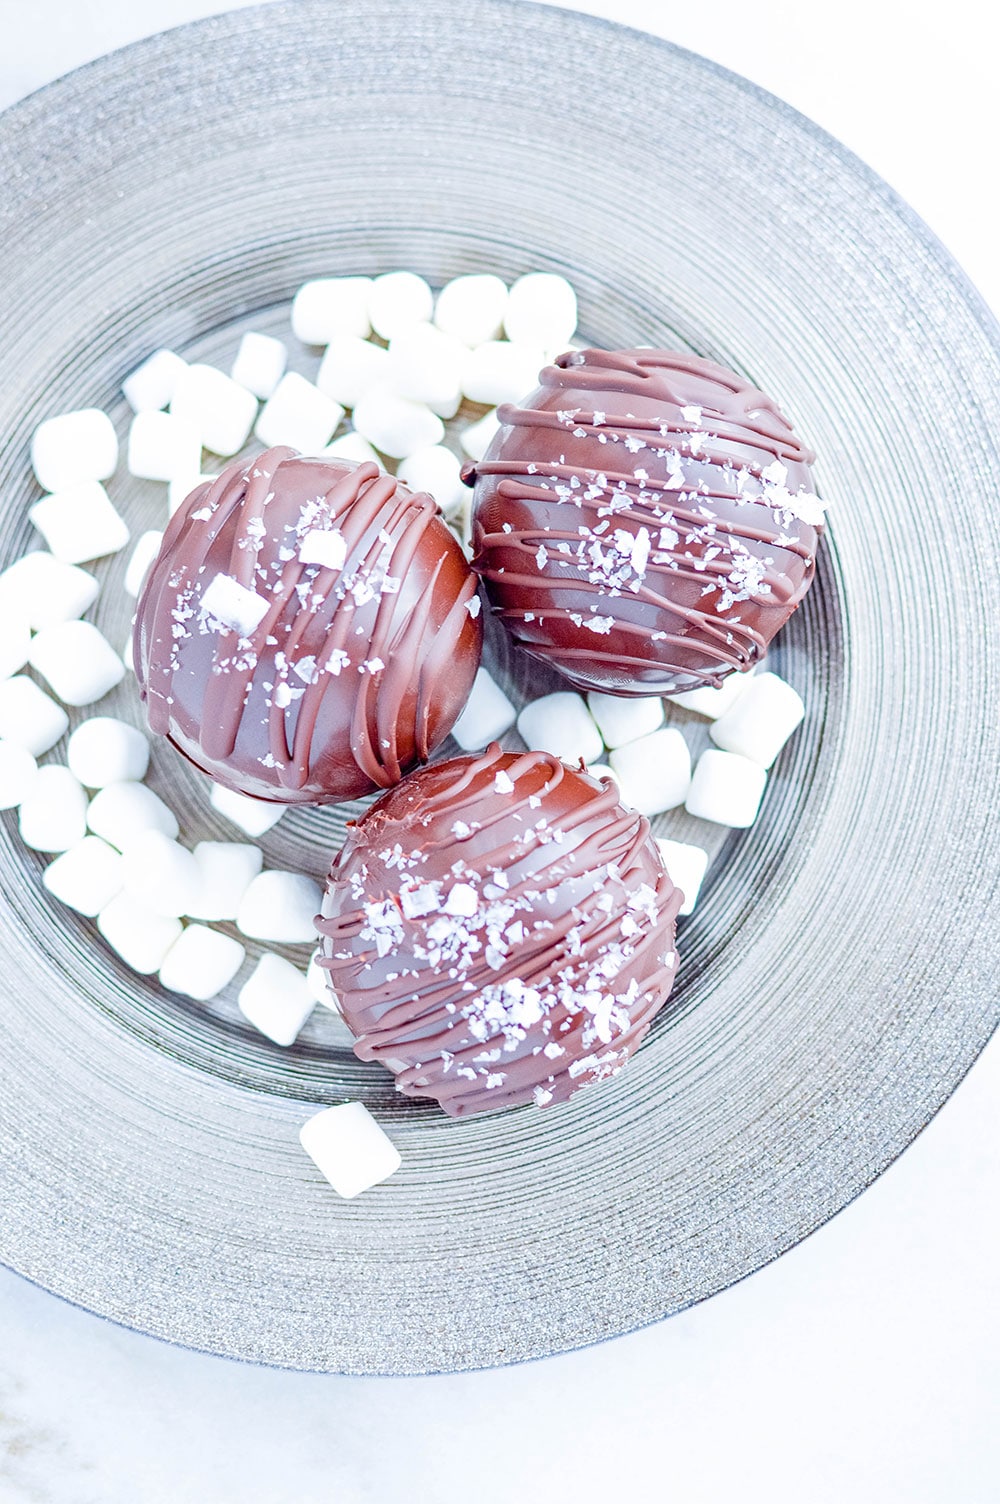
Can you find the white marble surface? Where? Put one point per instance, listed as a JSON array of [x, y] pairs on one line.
[[863, 1365]]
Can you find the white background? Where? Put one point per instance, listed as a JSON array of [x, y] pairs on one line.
[[862, 1366]]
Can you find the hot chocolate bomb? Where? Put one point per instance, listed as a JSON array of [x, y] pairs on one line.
[[309, 630], [645, 521], [499, 930]]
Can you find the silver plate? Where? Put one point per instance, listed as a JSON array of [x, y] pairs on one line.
[[839, 976]]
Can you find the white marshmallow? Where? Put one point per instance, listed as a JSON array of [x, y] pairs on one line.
[[398, 300], [151, 386], [73, 449], [351, 446], [28, 718], [141, 938], [80, 523], [478, 437], [435, 469], [541, 309], [201, 962], [225, 871], [79, 663], [561, 724], [54, 811], [349, 367], [44, 590], [17, 774], [622, 720], [128, 658], [276, 999], [329, 306], [711, 702], [686, 866], [121, 811], [260, 363], [472, 308], [394, 424], [145, 551], [299, 414], [181, 487], [162, 446], [86, 877], [231, 607], [726, 789], [487, 715], [601, 770], [104, 750], [760, 722], [280, 906], [349, 1148], [426, 366], [255, 817], [502, 372], [159, 873], [654, 772], [220, 411], [15, 641], [318, 982]]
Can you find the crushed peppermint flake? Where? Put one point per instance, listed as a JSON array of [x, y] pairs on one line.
[[326, 548]]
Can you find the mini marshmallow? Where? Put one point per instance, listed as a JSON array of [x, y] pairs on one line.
[[541, 309], [181, 487], [28, 717], [351, 446], [151, 386], [601, 770], [760, 722], [280, 906], [74, 448], [255, 817], [397, 301], [162, 446], [711, 702], [141, 938], [330, 306], [487, 714], [220, 411], [159, 873], [201, 962], [435, 469], [726, 789], [128, 659], [232, 607], [326, 547], [121, 811], [54, 811], [654, 773], [80, 523], [299, 414], [394, 424], [17, 774], [15, 641], [349, 367], [276, 999], [104, 750], [79, 663], [622, 720], [426, 366], [86, 877], [686, 866], [561, 724], [349, 1148], [44, 590], [501, 372], [225, 871], [260, 364], [478, 437], [472, 308], [318, 982], [145, 551]]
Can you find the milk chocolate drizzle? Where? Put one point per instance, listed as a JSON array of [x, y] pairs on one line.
[[352, 675], [499, 930], [667, 449]]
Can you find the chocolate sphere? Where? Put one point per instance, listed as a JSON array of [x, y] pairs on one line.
[[499, 930], [645, 521], [309, 630]]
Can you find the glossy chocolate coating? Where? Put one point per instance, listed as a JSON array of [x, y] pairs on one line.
[[499, 930], [353, 675], [645, 522]]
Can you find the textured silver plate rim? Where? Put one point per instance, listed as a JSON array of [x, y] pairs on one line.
[[838, 979]]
